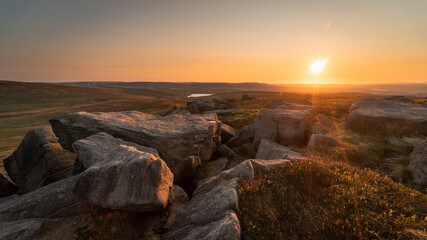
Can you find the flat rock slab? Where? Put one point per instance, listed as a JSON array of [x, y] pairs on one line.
[[418, 164], [269, 150], [39, 160], [127, 179], [368, 114], [175, 137], [51, 201]]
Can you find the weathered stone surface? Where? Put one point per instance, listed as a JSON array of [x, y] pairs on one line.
[[227, 228], [202, 104], [194, 109], [175, 137], [210, 169], [204, 210], [270, 150], [371, 114], [246, 135], [418, 164], [95, 147], [227, 132], [244, 171], [40, 228], [318, 128], [6, 187], [51, 201], [26, 229], [177, 199], [400, 99], [287, 124], [222, 112], [126, 179], [324, 125], [276, 102], [321, 143], [223, 106], [38, 161], [262, 166], [225, 151]]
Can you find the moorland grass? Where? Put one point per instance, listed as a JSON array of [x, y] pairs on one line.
[[320, 199]]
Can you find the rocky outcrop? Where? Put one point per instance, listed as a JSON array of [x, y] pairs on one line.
[[176, 137], [418, 164], [227, 132], [127, 179], [324, 125], [321, 143], [6, 187], [38, 161], [177, 199], [94, 148], [246, 135], [211, 169], [200, 106], [42, 229], [369, 114], [51, 201], [211, 213], [270, 150], [287, 124]]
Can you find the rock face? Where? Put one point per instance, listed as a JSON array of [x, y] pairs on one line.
[[94, 148], [51, 201], [227, 132], [177, 199], [128, 179], [211, 169], [321, 143], [6, 187], [210, 214], [38, 161], [175, 137], [200, 106], [418, 164], [324, 125], [370, 114], [287, 124], [269, 150]]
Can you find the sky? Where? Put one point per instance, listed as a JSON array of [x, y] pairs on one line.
[[365, 41]]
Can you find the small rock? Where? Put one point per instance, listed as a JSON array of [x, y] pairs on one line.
[[269, 150], [321, 143]]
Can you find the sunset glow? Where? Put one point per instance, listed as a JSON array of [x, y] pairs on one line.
[[318, 65], [204, 41]]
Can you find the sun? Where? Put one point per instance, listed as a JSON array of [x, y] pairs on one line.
[[318, 65]]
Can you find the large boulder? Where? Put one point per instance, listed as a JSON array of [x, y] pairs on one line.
[[94, 148], [39, 160], [51, 201], [418, 164], [175, 137], [127, 179], [269, 150], [371, 114], [287, 124], [321, 143], [6, 187]]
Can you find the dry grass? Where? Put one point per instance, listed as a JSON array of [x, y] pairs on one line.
[[320, 199]]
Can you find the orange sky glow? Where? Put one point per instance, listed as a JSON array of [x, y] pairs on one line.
[[382, 41]]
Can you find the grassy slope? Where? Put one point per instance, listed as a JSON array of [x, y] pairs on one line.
[[318, 199], [25, 106]]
